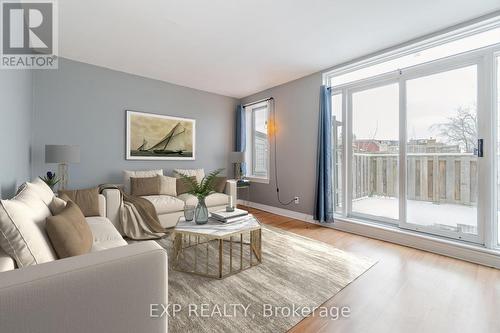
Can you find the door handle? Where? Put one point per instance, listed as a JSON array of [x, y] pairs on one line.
[[479, 149]]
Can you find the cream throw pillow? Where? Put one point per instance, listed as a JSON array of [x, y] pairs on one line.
[[168, 186], [22, 228], [57, 205], [198, 173], [127, 174], [42, 190]]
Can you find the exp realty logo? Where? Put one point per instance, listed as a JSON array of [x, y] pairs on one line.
[[29, 34]]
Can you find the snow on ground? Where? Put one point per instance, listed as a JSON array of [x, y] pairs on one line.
[[419, 212]]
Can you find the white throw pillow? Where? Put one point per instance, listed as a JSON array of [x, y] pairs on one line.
[[168, 186], [198, 173], [22, 228], [43, 190], [127, 174]]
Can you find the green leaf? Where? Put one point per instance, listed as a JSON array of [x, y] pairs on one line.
[[205, 187]]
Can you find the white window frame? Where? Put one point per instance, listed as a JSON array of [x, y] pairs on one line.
[[485, 59], [494, 80], [250, 139], [409, 48], [343, 173]]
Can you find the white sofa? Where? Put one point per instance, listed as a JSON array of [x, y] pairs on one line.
[[108, 290], [168, 208]]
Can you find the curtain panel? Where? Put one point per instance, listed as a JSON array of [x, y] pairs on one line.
[[323, 207]]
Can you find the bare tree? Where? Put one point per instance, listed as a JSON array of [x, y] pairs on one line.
[[460, 129]]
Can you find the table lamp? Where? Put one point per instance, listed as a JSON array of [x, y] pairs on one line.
[[237, 158], [63, 155]]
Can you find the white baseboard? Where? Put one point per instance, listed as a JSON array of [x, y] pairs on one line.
[[278, 211], [463, 251]]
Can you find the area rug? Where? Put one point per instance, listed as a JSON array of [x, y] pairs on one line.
[[297, 274]]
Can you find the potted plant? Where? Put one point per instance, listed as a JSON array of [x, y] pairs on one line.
[[50, 179], [201, 190]]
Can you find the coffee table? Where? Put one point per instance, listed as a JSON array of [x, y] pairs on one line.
[[217, 249]]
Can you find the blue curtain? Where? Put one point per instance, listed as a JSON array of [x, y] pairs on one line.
[[323, 207], [241, 138]]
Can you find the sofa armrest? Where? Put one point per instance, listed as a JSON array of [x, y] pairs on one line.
[[102, 205], [106, 291], [232, 190], [113, 203]]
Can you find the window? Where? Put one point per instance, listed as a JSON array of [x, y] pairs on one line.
[[442, 50], [257, 151], [260, 142], [414, 129]]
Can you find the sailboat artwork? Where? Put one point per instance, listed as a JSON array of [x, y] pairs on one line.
[[159, 137]]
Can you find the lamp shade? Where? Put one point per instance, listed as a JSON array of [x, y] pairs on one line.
[[62, 154], [237, 157]]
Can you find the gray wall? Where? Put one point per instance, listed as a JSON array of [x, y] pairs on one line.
[[297, 107], [16, 91], [85, 105]]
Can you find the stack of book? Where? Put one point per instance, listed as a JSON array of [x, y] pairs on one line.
[[228, 217]]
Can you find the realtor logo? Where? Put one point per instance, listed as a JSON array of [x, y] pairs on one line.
[[29, 34]]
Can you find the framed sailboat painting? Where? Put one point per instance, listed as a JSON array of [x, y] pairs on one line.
[[158, 137]]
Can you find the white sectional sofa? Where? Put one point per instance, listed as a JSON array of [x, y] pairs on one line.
[[169, 208], [106, 236], [109, 289]]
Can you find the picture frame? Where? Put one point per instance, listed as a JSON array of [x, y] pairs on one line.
[[159, 137]]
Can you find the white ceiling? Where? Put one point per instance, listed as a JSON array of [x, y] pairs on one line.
[[239, 47]]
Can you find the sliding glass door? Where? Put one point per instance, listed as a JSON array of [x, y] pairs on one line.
[[436, 180], [441, 152], [417, 134]]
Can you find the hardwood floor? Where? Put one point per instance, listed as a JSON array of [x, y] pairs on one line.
[[408, 290]]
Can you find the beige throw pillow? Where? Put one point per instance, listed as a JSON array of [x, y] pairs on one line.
[[198, 173], [69, 233], [145, 186], [220, 184], [127, 174], [182, 187], [168, 186], [86, 199]]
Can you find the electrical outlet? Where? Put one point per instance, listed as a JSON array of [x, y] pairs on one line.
[[296, 200]]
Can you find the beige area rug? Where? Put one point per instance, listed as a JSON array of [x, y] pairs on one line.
[[296, 274]]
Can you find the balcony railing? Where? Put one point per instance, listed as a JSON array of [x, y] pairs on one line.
[[435, 177]]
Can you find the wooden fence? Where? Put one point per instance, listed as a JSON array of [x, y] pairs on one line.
[[436, 177]]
